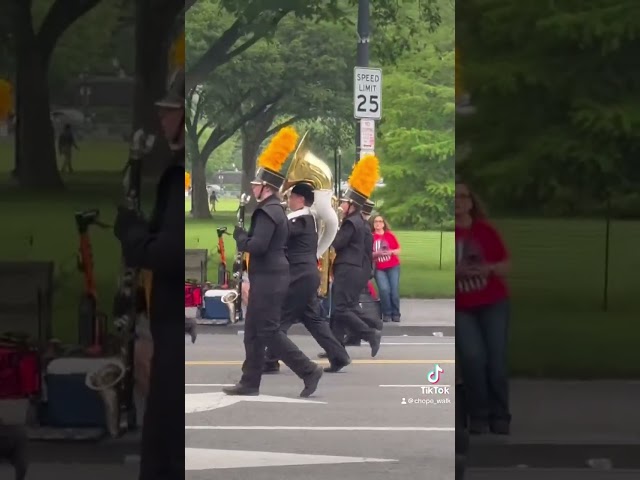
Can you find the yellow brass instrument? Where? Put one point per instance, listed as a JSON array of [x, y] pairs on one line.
[[105, 380], [306, 167], [230, 299]]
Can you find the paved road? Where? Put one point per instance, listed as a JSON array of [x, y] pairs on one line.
[[419, 318], [550, 474], [332, 434]]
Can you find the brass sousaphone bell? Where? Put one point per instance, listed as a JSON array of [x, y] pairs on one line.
[[308, 168]]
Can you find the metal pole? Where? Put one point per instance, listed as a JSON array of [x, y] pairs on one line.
[[362, 55], [336, 175], [605, 292], [339, 175], [441, 238]]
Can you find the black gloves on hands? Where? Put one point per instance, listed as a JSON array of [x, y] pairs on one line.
[[239, 233], [125, 221]]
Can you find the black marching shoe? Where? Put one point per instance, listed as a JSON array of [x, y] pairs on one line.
[[311, 382], [335, 367], [352, 342], [395, 318], [271, 367], [241, 390], [323, 355], [375, 343], [500, 427]]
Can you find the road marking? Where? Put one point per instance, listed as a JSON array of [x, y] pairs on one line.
[[322, 429], [211, 459], [204, 402], [412, 386], [414, 343], [209, 384], [219, 363]]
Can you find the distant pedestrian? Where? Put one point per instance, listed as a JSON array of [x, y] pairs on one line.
[[66, 144], [213, 199], [386, 253], [482, 315]]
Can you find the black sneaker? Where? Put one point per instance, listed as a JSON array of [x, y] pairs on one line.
[[241, 390], [395, 318], [323, 355]]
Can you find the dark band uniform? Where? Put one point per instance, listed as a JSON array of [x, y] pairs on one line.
[[159, 246], [266, 242], [350, 279], [301, 303]]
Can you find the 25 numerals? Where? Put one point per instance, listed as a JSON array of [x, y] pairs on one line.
[[373, 101]]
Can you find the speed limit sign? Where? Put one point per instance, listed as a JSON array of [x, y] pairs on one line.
[[367, 93]]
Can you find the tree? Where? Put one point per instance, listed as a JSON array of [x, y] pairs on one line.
[[302, 73], [256, 20], [157, 24], [557, 102], [35, 46], [417, 145]]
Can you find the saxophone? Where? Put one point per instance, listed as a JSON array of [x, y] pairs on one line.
[[306, 167], [233, 299]]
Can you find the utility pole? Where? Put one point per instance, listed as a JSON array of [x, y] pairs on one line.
[[362, 55]]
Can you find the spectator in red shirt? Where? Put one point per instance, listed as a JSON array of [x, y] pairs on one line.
[[482, 315], [385, 254]]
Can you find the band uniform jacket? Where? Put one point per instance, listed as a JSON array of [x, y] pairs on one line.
[[350, 241], [159, 247], [266, 243], [369, 264]]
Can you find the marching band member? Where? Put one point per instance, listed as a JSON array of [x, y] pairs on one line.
[[350, 275], [302, 303], [158, 246], [266, 243]]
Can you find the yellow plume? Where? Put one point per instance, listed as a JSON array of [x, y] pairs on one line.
[[177, 52], [282, 144], [365, 175]]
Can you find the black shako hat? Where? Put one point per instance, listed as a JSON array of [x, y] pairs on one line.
[[304, 190]]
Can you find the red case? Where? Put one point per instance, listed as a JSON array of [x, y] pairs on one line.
[[19, 372], [192, 295]]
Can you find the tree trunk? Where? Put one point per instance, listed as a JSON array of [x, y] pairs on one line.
[[199, 197], [36, 165], [153, 27]]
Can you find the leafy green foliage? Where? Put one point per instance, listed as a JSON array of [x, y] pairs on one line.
[[557, 100], [417, 145]]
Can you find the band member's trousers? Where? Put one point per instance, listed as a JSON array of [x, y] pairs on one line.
[[348, 283], [302, 304], [162, 456], [262, 330], [13, 449]]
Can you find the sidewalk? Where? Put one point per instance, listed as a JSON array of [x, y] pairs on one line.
[[419, 318], [566, 424]]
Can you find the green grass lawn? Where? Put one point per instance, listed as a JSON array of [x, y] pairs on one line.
[[559, 327], [421, 273], [42, 227]]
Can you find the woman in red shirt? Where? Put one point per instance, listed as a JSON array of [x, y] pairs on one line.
[[482, 315], [385, 254]]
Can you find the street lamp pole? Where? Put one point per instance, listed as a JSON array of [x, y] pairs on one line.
[[362, 54]]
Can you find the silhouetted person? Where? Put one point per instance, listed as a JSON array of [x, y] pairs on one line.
[[66, 144]]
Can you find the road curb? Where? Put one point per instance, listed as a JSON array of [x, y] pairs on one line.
[[392, 331]]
